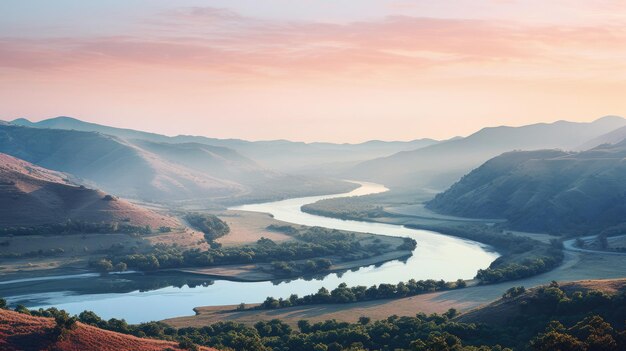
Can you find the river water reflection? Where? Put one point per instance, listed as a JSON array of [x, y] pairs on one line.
[[139, 298]]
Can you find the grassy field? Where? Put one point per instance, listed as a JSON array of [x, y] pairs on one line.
[[249, 227]]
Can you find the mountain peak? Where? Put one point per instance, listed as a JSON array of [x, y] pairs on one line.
[[21, 122], [609, 118]]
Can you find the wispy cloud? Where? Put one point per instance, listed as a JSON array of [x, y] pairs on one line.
[[211, 39]]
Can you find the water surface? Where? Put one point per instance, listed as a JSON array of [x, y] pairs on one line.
[[139, 298]]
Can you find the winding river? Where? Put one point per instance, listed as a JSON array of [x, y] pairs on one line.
[[139, 298]]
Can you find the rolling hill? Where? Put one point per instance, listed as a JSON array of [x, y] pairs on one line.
[[438, 166], [155, 171], [510, 308], [547, 190], [21, 332], [612, 137], [280, 155], [32, 195]]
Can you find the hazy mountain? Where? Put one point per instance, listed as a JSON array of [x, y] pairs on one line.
[[281, 155], [612, 137], [546, 190], [440, 165], [32, 195], [157, 171]]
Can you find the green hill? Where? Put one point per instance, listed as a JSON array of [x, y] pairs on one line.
[[547, 190]]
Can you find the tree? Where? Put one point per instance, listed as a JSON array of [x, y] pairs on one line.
[[186, 344], [304, 326], [22, 309], [364, 320], [451, 313], [64, 324], [103, 265], [120, 267], [554, 340]]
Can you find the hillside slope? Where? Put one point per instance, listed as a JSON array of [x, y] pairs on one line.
[[21, 332], [612, 137], [110, 163], [507, 309], [281, 155], [440, 165], [32, 195], [155, 171], [546, 190]]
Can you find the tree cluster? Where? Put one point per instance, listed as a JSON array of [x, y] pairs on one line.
[[345, 294], [312, 243], [551, 319], [76, 227], [210, 225]]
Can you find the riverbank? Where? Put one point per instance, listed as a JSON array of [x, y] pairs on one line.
[[576, 266], [144, 297], [260, 272]]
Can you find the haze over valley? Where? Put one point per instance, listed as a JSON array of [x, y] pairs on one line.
[[312, 176]]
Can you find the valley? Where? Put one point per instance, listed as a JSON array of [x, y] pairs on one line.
[[277, 175], [255, 245]]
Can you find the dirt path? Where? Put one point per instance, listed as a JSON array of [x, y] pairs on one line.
[[570, 245]]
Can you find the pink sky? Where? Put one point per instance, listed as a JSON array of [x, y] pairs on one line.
[[343, 71]]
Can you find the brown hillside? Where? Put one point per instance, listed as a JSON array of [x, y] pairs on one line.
[[32, 195], [25, 333], [503, 310]]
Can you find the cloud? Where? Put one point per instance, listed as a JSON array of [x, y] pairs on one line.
[[219, 40]]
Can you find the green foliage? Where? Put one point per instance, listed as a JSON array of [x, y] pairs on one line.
[[22, 309], [64, 323], [559, 321], [345, 208], [526, 268], [210, 225], [513, 292], [186, 344], [345, 294], [312, 243], [76, 227], [102, 265]]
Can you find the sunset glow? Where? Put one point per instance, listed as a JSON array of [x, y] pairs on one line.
[[313, 70]]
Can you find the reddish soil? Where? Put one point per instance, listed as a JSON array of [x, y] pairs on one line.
[[32, 195], [27, 333]]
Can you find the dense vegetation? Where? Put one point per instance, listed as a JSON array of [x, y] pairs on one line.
[[550, 319], [313, 242], [77, 227], [577, 328], [345, 208], [345, 294], [210, 225]]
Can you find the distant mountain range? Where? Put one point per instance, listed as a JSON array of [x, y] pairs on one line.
[[548, 190], [612, 137], [440, 165], [149, 166], [31, 195], [280, 155], [156, 171]]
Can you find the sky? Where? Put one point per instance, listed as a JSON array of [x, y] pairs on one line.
[[313, 70]]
